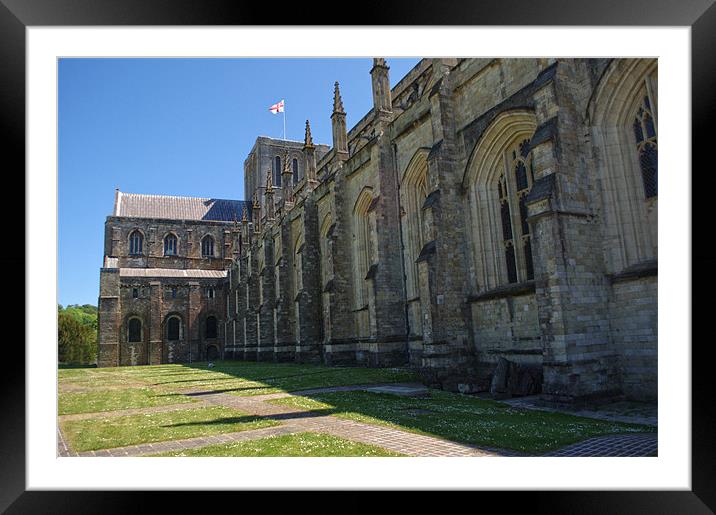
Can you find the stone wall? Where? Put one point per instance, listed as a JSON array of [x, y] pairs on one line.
[[585, 328]]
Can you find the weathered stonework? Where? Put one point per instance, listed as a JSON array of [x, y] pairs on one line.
[[484, 210]]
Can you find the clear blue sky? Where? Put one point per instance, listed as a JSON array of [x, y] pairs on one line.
[[179, 127]]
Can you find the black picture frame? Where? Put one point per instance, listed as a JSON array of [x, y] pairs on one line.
[[700, 15]]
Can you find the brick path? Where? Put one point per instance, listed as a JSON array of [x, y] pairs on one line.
[[294, 420], [648, 416], [629, 445]]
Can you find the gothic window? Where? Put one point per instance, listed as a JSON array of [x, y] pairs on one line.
[[277, 171], [210, 293], [295, 171], [207, 246], [499, 178], [174, 292], [645, 134], [361, 247], [135, 293], [623, 115], [298, 266], [173, 328], [325, 260], [210, 327], [134, 330], [135, 243], [170, 245]]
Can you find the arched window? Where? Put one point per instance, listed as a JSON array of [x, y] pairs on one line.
[[210, 327], [362, 260], [516, 238], [623, 114], [295, 171], [134, 330], [498, 179], [361, 246], [207, 246], [170, 245], [298, 265], [326, 271], [277, 171], [135, 243], [645, 134], [414, 191], [173, 328]]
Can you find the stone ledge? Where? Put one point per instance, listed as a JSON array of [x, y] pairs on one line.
[[644, 269], [504, 291]]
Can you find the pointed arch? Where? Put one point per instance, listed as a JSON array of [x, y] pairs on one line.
[[413, 193], [323, 233], [298, 263], [623, 117], [497, 179], [362, 254]]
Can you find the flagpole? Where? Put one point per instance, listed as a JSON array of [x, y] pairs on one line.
[[284, 121]]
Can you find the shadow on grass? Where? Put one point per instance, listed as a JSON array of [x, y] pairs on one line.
[[246, 419], [65, 366]]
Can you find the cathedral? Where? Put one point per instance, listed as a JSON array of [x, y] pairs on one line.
[[491, 223]]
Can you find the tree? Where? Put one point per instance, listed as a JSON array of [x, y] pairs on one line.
[[77, 334]]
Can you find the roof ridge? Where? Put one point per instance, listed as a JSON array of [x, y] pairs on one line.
[[124, 193]]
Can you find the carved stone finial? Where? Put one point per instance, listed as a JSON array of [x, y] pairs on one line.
[[269, 183], [308, 139], [337, 100], [286, 165], [256, 204], [379, 61], [244, 215]]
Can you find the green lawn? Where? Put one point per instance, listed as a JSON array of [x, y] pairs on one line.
[[235, 377], [116, 399], [462, 418], [293, 445], [104, 433]]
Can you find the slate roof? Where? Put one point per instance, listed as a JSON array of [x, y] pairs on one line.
[[171, 272], [168, 207]]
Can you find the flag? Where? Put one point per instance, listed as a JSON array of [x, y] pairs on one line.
[[277, 108]]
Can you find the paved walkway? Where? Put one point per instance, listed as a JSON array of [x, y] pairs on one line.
[[643, 444], [294, 420], [625, 412]]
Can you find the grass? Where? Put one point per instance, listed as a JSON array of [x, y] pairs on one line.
[[235, 377], [293, 445], [463, 419], [115, 399], [103, 433]]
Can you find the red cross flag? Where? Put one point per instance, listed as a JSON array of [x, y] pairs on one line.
[[277, 108]]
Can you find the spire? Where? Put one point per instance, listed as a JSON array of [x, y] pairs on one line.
[[286, 180], [308, 139], [309, 154], [337, 100], [338, 122], [380, 82], [244, 236], [270, 206], [256, 213]]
